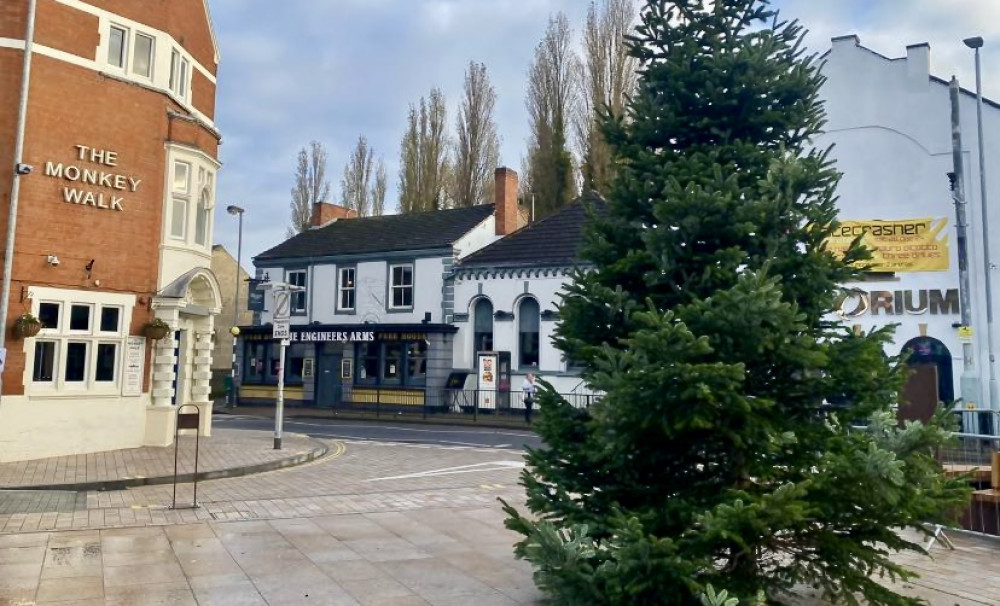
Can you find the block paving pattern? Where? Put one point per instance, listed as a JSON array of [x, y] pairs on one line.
[[371, 523], [226, 449]]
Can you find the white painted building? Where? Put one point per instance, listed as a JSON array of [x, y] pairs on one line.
[[369, 322], [890, 122]]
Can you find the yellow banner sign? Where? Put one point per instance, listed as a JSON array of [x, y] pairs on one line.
[[897, 246]]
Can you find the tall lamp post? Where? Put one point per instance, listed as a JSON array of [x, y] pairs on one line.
[[235, 330], [976, 43]]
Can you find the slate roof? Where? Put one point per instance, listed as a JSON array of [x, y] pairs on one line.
[[388, 233], [552, 241]]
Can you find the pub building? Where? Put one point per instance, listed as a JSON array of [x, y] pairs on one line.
[[370, 316], [113, 195]]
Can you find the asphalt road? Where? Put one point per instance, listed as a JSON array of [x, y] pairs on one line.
[[443, 435]]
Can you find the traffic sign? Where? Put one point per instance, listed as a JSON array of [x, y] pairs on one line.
[[281, 329], [281, 304]]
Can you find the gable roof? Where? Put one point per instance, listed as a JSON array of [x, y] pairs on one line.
[[552, 241], [388, 233]]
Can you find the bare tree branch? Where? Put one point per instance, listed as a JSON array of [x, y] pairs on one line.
[[477, 145], [607, 78], [311, 186], [551, 101], [423, 173]]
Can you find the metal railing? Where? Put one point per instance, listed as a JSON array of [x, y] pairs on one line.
[[975, 455]]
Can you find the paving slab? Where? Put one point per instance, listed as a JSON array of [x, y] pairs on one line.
[[227, 453]]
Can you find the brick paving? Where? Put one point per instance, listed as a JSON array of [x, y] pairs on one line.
[[369, 523], [225, 450]]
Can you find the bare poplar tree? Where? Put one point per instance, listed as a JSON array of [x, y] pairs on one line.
[[477, 145], [363, 186], [311, 186], [379, 189], [607, 77], [423, 173], [551, 102]]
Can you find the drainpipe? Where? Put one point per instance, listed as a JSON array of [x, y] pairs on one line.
[[22, 118]]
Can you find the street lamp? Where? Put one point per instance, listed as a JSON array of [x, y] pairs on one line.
[[976, 43], [235, 330]]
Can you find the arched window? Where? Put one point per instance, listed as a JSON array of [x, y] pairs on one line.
[[528, 333], [482, 328]]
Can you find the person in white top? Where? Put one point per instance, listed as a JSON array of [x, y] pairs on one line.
[[530, 389]]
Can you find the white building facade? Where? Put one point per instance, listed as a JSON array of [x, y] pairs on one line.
[[890, 123]]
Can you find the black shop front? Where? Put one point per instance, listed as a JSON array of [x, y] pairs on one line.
[[347, 365]]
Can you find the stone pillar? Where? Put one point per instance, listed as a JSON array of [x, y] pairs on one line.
[[160, 415], [201, 375]]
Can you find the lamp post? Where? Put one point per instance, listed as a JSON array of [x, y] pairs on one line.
[[235, 330], [994, 394]]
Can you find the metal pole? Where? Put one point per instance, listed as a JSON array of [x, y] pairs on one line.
[[236, 312], [15, 187], [969, 383], [279, 415], [987, 263]]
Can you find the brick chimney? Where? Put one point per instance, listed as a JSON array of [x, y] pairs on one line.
[[324, 212], [505, 198]]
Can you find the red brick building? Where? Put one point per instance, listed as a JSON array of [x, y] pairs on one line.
[[112, 108]]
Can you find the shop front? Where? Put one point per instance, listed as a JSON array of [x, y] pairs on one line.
[[347, 366]]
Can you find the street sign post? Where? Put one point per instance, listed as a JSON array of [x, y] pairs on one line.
[[281, 331]]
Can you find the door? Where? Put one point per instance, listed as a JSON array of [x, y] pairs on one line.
[[328, 387], [920, 394]]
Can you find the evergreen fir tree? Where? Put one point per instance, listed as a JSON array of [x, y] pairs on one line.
[[709, 460]]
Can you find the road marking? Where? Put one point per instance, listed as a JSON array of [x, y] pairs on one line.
[[475, 467], [393, 427]]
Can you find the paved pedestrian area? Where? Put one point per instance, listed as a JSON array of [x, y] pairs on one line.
[[454, 556], [226, 452], [368, 523]]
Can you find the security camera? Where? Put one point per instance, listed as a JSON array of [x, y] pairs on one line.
[[23, 169], [52, 260]]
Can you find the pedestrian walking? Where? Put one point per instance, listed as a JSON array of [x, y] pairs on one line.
[[530, 389]]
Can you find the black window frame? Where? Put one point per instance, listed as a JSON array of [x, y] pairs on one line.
[[404, 377]]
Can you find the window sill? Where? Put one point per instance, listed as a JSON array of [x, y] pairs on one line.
[[64, 394]]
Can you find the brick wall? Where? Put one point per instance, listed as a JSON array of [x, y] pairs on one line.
[[69, 106]]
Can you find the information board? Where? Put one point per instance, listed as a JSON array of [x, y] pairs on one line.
[[135, 364]]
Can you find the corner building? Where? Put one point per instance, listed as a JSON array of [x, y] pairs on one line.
[[113, 223]]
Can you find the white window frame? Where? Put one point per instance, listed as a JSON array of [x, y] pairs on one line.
[[124, 55], [298, 295], [179, 198], [180, 74], [134, 54], [393, 286], [92, 339], [341, 289]]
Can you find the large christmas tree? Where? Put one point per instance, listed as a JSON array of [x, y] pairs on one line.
[[712, 458]]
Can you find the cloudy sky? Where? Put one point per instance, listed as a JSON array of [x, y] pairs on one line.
[[331, 70]]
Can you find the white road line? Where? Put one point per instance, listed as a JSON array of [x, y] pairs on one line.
[[491, 466]]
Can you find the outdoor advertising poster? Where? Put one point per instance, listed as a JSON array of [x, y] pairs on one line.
[[906, 245], [487, 380]]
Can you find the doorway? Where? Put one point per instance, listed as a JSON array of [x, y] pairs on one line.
[[930, 380], [329, 390]]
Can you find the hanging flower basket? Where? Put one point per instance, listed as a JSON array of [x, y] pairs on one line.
[[157, 329], [27, 325]]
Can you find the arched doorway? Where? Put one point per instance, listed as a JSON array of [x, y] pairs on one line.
[[931, 380]]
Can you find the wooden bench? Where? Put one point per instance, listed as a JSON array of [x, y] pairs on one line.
[[991, 494]]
